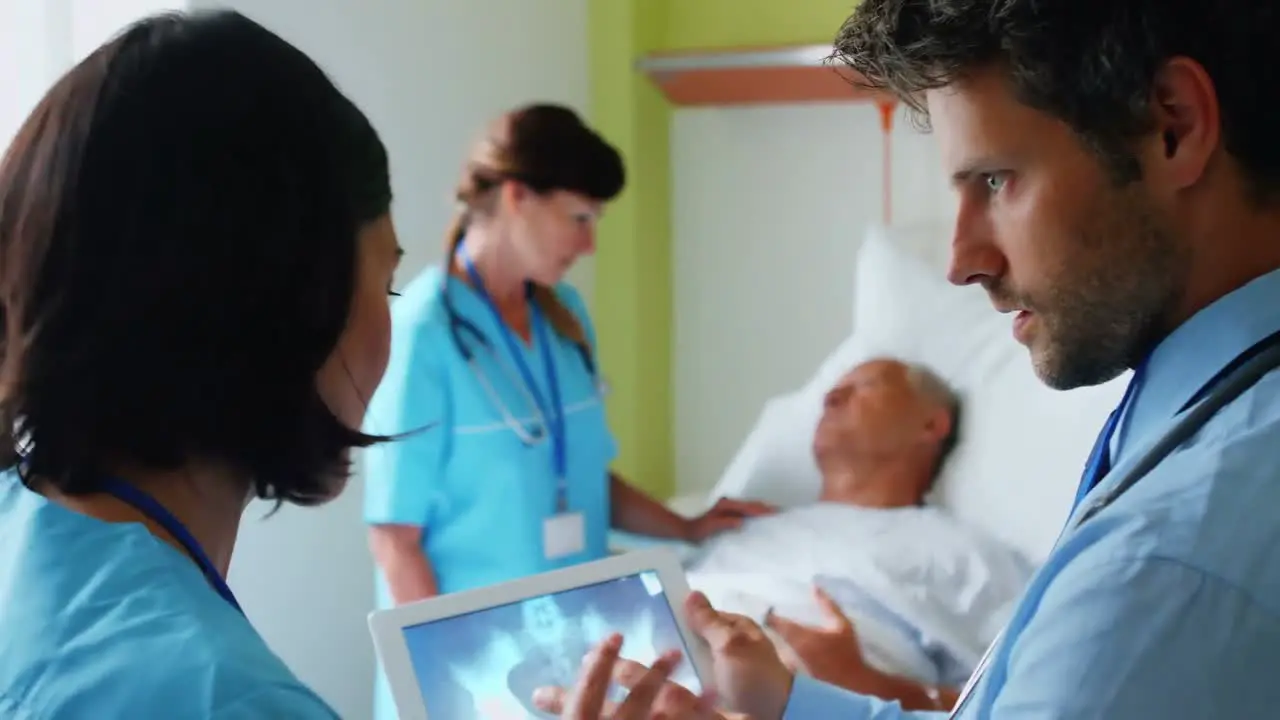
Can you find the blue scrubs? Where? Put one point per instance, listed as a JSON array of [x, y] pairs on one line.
[[464, 475], [104, 620]]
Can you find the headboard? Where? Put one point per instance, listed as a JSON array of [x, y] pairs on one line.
[[1022, 446]]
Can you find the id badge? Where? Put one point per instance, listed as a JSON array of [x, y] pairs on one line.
[[564, 534]]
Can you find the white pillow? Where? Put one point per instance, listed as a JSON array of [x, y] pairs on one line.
[[1022, 446]]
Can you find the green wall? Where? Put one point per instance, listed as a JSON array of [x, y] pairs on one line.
[[693, 24], [632, 302], [632, 294]]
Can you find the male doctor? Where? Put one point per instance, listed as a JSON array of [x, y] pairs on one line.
[[1117, 164]]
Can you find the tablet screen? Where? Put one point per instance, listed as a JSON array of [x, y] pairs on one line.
[[487, 664]]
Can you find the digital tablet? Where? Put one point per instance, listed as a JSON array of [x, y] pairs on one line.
[[482, 653]]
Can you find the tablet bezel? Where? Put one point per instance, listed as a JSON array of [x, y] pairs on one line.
[[387, 626]]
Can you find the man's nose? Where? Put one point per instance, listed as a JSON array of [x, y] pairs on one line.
[[974, 254], [587, 245]]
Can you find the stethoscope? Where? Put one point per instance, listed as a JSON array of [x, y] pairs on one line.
[[528, 435], [1242, 373], [460, 326]]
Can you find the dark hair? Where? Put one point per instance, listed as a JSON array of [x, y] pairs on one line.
[[178, 233], [545, 148], [1089, 63]]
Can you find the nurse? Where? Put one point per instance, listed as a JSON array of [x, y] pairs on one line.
[[504, 471]]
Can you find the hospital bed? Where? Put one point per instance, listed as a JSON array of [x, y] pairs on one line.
[[1022, 446]]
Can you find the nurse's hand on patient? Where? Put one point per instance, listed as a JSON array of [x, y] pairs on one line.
[[726, 514], [830, 652], [651, 695]]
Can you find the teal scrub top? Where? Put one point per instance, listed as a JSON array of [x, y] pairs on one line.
[[463, 474], [104, 620]]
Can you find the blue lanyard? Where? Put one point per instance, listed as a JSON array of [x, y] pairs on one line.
[[553, 412], [157, 513], [1100, 459]]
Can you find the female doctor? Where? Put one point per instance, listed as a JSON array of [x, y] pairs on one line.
[[504, 469]]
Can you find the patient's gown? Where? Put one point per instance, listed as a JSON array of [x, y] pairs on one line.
[[927, 593]]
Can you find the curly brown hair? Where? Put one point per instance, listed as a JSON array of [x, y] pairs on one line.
[[1089, 63]]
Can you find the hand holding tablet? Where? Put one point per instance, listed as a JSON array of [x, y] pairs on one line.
[[484, 653], [515, 651]]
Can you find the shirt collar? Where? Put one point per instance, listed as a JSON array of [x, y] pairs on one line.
[[1196, 351]]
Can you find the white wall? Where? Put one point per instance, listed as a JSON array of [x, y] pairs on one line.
[[770, 206], [93, 22], [41, 39], [429, 73], [34, 48]]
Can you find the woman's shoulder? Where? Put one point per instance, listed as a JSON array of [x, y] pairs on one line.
[[155, 685], [294, 702], [140, 660], [104, 620], [421, 300], [419, 316]]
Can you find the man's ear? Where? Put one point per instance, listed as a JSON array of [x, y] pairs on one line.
[[1187, 118], [937, 424]]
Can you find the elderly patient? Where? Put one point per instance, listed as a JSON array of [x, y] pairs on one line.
[[924, 593]]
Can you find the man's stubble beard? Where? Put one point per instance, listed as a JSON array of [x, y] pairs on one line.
[[1109, 310]]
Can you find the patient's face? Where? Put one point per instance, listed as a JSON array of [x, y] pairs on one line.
[[873, 409], [1089, 265]]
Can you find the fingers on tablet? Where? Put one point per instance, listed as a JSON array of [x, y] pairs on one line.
[[646, 689], [593, 682]]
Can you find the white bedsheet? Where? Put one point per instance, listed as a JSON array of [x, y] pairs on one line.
[[926, 593]]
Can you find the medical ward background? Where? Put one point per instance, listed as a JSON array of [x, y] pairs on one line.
[[745, 267]]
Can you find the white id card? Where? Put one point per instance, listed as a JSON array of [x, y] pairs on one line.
[[564, 534]]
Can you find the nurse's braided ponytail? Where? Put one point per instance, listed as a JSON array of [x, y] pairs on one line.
[[546, 148]]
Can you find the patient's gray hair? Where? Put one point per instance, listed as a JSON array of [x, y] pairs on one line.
[[936, 390]]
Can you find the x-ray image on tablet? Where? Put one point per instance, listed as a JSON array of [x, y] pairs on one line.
[[487, 664], [481, 653]]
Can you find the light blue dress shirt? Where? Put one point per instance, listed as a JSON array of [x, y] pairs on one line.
[[482, 495], [104, 620], [1166, 604]]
